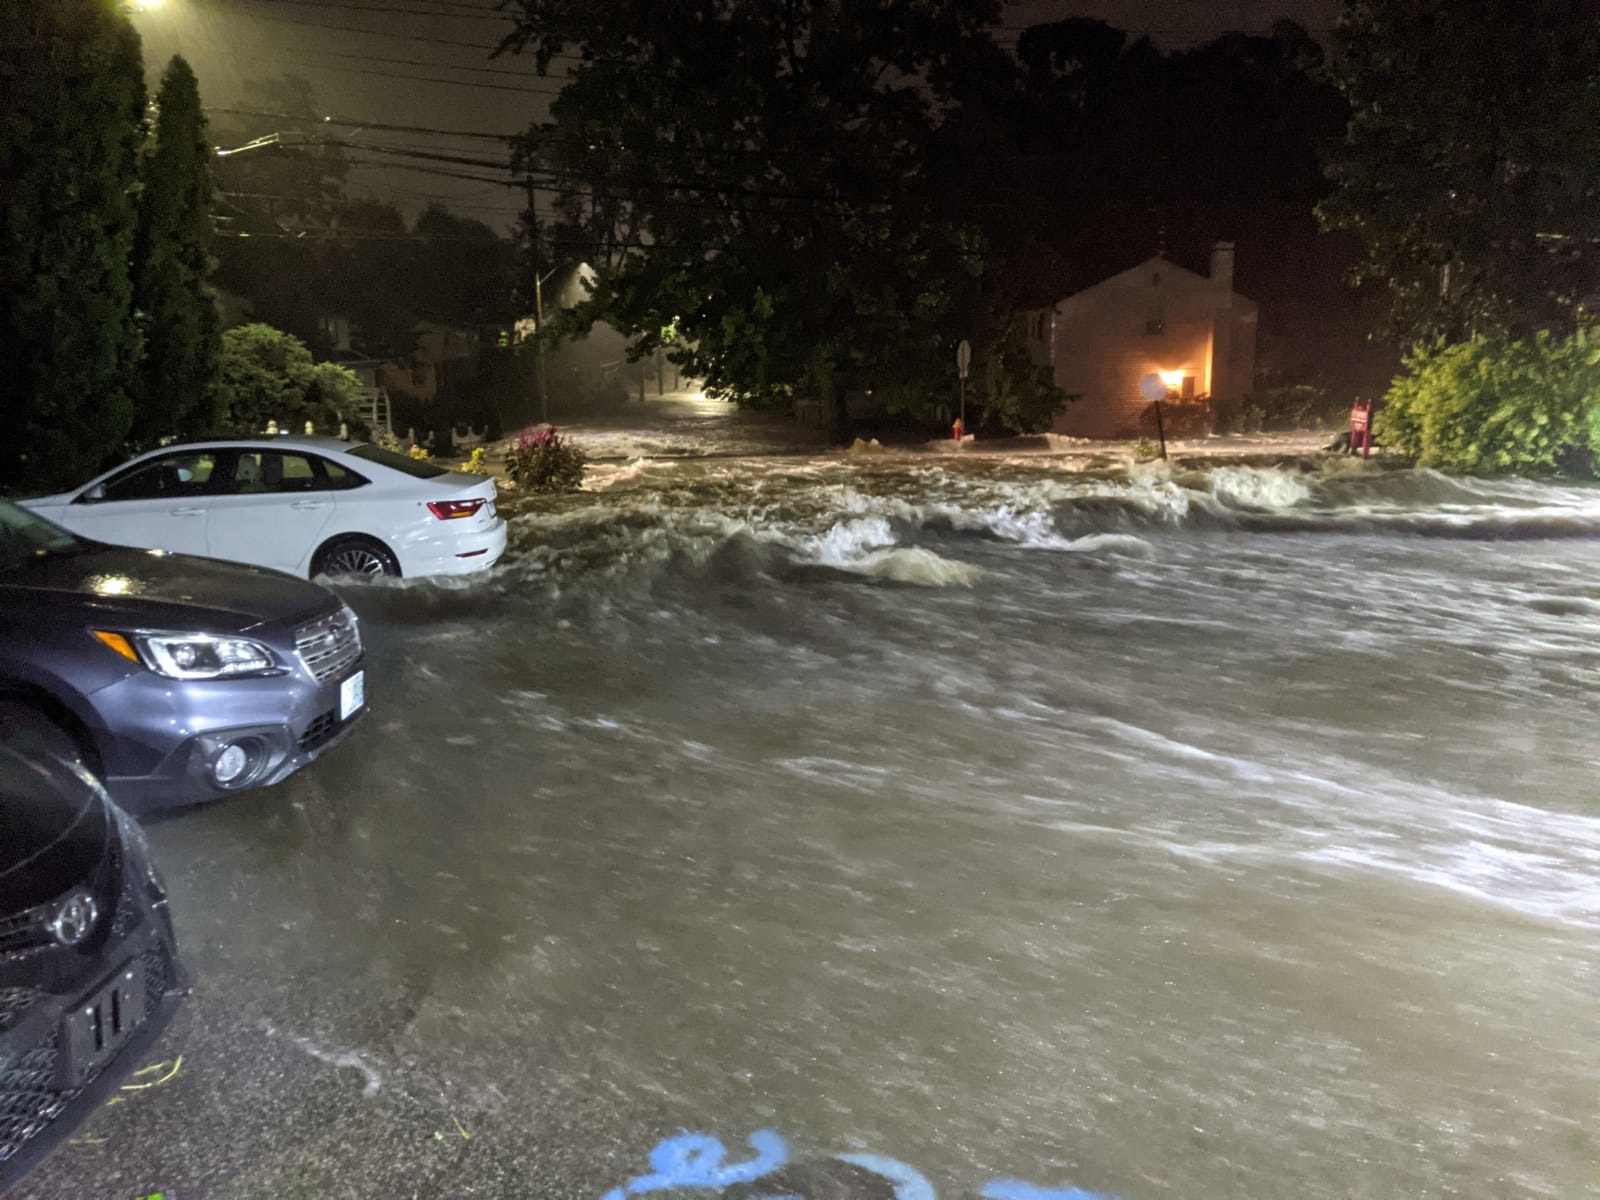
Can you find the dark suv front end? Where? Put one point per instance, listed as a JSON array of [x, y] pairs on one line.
[[89, 969]]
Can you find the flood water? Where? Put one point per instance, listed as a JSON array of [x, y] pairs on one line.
[[1201, 832]]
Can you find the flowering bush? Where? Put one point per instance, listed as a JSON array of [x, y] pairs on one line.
[[418, 451], [539, 461], [477, 464]]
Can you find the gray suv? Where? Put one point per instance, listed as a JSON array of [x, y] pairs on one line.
[[175, 679]]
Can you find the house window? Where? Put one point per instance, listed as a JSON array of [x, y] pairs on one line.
[[1155, 326]]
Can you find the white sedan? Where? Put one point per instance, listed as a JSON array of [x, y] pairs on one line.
[[307, 505]]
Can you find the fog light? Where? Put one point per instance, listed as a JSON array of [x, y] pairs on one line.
[[230, 764]]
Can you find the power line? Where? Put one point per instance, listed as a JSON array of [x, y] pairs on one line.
[[460, 160], [359, 123], [416, 62], [441, 171], [465, 12], [351, 235], [385, 33], [395, 75]]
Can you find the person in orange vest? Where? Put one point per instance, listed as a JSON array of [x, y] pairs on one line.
[[1361, 427], [956, 431]]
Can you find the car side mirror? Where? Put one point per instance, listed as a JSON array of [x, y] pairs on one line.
[[92, 495]]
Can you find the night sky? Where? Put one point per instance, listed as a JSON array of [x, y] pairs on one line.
[[425, 63]]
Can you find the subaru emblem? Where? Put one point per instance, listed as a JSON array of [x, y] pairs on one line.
[[74, 918]]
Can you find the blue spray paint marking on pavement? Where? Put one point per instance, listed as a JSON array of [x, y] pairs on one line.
[[695, 1160], [909, 1183], [1017, 1189]]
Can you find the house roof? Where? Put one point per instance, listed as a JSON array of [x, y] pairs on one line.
[[1154, 263]]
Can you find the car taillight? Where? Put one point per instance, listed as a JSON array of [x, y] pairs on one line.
[[454, 510]]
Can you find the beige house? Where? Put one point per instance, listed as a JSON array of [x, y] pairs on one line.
[[1194, 331]]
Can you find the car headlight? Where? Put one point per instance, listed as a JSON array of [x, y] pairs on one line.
[[191, 655]]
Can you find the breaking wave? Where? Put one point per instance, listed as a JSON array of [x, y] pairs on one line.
[[879, 518]]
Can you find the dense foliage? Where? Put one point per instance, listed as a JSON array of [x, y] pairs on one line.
[[1468, 166], [825, 198], [541, 460], [175, 389], [267, 376], [759, 179], [1494, 404], [70, 136]]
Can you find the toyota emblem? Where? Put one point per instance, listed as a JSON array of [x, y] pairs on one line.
[[74, 919]]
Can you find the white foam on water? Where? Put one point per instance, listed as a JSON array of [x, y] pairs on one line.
[[847, 542], [1253, 487], [916, 565]]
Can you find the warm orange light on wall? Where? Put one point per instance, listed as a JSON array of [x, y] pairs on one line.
[[1173, 379]]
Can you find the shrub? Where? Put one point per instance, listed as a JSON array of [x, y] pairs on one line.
[[418, 451], [1494, 404], [1145, 450], [268, 375], [540, 461], [477, 463]]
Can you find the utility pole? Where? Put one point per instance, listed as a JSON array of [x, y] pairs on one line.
[[536, 264], [538, 320]]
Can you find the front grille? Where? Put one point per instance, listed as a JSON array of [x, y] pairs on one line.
[[321, 730], [26, 930], [29, 1096], [30, 929], [29, 1100], [157, 975], [128, 911], [330, 646], [14, 1001]]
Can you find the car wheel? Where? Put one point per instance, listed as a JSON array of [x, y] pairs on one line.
[[356, 557], [35, 736]]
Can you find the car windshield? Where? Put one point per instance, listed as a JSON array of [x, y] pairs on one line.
[[25, 535], [414, 467]]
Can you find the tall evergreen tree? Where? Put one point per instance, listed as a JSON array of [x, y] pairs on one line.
[[70, 133], [176, 387]]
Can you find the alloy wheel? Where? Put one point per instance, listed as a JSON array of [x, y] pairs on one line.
[[356, 560]]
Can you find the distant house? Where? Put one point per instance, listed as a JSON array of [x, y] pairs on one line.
[[1196, 332]]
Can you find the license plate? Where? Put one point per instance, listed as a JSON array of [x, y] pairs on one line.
[[352, 694], [93, 1032]]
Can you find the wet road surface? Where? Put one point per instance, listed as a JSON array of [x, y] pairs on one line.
[[1159, 832]]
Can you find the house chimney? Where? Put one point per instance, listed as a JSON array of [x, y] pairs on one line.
[[1222, 265]]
